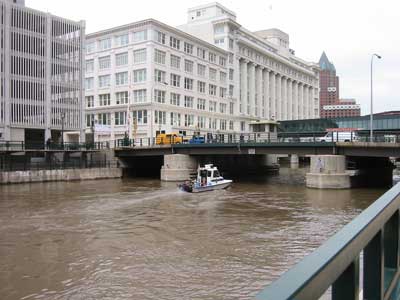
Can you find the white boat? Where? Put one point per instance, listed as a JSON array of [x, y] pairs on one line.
[[208, 179]]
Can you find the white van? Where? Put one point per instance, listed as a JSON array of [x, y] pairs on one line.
[[340, 136]]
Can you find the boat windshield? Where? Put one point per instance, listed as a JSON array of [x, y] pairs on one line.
[[216, 174], [208, 173]]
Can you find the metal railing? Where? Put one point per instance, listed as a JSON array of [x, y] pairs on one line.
[[22, 146], [267, 137], [336, 264]]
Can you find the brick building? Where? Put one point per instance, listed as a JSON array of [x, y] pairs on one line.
[[331, 106]]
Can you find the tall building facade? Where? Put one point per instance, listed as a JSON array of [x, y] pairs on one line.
[[42, 74], [210, 75], [331, 106]]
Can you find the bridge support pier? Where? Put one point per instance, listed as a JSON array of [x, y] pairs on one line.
[[270, 163], [328, 172], [178, 167], [294, 161]]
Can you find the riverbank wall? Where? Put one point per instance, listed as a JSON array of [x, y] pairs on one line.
[[31, 176]]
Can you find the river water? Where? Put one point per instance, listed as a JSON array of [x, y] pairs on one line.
[[144, 239]]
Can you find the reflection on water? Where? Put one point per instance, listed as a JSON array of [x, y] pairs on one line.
[[143, 239]]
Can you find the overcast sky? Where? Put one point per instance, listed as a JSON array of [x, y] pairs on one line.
[[348, 30]]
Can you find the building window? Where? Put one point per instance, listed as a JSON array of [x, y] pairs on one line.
[[120, 118], [160, 117], [175, 80], [188, 102], [222, 92], [175, 99], [188, 84], [140, 116], [122, 40], [201, 70], [231, 125], [175, 119], [242, 126], [104, 99], [188, 66], [222, 124], [159, 57], [222, 77], [213, 74], [212, 90], [160, 37], [89, 83], [201, 87], [230, 57], [89, 101], [140, 36], [159, 76], [104, 81], [212, 57], [175, 61], [139, 75], [189, 120], [219, 41], [231, 107], [121, 59], [231, 87], [201, 122], [159, 96], [188, 48], [212, 106], [104, 119], [90, 47], [104, 62], [212, 123], [222, 108], [121, 98], [231, 74], [222, 61], [105, 44], [89, 120], [219, 28], [139, 56], [201, 53], [174, 42], [139, 96], [201, 104], [231, 44], [121, 78], [89, 66]]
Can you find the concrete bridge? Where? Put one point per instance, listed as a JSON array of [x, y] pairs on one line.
[[329, 160]]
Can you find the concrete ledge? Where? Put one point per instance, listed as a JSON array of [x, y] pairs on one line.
[[59, 175], [328, 181]]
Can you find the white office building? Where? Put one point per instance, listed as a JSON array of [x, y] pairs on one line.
[[210, 75], [41, 76]]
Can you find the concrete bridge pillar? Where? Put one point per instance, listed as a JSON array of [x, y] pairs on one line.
[[178, 167], [294, 161], [328, 172], [270, 163]]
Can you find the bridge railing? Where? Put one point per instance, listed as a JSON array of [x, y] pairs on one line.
[[67, 146], [265, 137], [336, 264]]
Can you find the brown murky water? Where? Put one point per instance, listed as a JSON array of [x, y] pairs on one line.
[[143, 239]]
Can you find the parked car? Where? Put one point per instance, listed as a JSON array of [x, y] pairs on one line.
[[340, 136], [197, 140]]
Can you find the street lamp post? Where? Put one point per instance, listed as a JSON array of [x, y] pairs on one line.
[[62, 129], [371, 118]]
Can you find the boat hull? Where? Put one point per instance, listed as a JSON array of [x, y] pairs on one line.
[[208, 188]]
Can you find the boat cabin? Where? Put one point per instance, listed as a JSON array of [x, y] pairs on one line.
[[208, 174]]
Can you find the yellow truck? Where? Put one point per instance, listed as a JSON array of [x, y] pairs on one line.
[[169, 138]]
